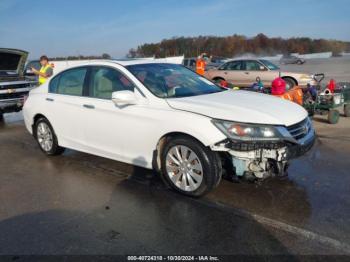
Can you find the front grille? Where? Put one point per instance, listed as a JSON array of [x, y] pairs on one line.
[[252, 145], [301, 129], [17, 86], [13, 95]]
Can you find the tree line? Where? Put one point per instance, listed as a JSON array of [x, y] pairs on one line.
[[81, 57], [235, 45]]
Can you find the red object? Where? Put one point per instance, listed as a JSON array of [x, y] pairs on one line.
[[331, 85], [278, 86], [224, 83]]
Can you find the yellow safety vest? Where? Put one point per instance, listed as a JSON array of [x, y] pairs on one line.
[[43, 69]]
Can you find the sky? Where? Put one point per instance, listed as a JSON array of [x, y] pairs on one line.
[[73, 27]]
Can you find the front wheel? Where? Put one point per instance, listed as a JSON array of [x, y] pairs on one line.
[[189, 167], [290, 83], [333, 116], [347, 110], [46, 137]]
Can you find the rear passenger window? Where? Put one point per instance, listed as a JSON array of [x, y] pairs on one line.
[[70, 82], [53, 84], [237, 65], [104, 81]]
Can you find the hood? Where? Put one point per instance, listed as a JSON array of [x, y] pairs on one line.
[[12, 61], [242, 106]]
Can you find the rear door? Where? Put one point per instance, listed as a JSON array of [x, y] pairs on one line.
[[64, 106]]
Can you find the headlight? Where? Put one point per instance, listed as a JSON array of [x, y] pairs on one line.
[[248, 132]]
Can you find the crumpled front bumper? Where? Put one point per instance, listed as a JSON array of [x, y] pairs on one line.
[[262, 158]]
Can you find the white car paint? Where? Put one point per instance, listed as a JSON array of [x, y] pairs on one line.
[[131, 133], [243, 106]]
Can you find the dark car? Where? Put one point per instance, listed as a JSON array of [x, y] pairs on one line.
[[28, 71], [14, 86], [291, 59]]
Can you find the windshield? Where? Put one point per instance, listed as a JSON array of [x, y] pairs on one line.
[[270, 65], [170, 80]]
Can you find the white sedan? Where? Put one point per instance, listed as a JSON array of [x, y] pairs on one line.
[[166, 117]]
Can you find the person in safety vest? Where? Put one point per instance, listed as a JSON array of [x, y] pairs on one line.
[[45, 71], [200, 65]]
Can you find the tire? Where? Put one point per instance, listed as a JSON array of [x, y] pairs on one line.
[[333, 116], [290, 83], [46, 137], [192, 178], [299, 62], [347, 110], [218, 80], [1, 117]]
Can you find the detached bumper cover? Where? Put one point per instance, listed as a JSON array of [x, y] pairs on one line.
[[278, 150]]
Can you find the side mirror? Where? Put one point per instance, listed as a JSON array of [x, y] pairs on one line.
[[124, 97], [262, 68]]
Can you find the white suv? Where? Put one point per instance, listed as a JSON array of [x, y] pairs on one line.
[[166, 117]]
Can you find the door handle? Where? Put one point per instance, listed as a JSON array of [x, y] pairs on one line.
[[50, 99], [225, 73], [247, 73], [89, 106]]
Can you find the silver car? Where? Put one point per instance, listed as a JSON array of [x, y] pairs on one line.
[[243, 73]]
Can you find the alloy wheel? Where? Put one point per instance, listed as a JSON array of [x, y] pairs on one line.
[[184, 168], [44, 136]]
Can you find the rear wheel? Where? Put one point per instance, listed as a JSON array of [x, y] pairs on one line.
[[347, 110], [218, 80], [46, 137], [333, 116], [290, 83], [189, 167]]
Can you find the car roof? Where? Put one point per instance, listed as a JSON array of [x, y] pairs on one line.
[[245, 59], [118, 62]]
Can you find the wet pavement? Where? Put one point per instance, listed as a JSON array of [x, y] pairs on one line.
[[82, 204]]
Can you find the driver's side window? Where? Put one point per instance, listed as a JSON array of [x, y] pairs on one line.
[[105, 80]]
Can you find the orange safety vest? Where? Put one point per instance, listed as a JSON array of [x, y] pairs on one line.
[[285, 96], [200, 66], [295, 95], [298, 95]]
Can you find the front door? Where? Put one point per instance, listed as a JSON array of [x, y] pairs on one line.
[[233, 72], [252, 70], [110, 129]]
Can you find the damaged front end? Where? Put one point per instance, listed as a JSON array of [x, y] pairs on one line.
[[261, 151]]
